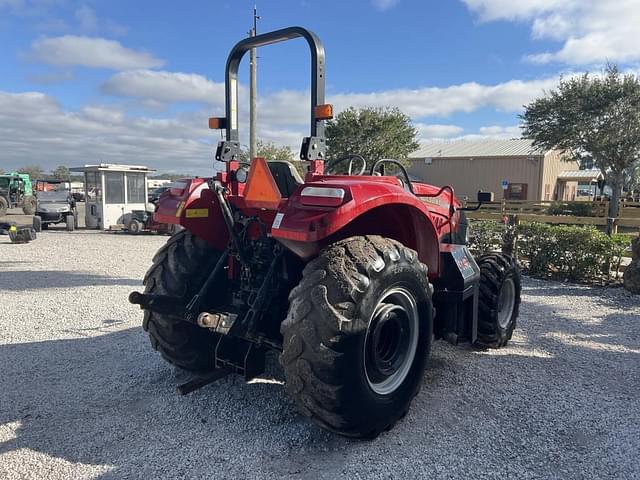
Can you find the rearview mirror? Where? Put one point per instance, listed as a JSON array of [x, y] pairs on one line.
[[484, 197]]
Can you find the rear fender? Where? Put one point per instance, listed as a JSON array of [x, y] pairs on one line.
[[196, 209], [403, 222]]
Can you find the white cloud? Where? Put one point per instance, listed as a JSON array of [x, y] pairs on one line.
[[431, 131], [494, 131], [291, 107], [86, 18], [93, 52], [383, 5], [165, 87], [592, 31], [509, 96], [456, 133], [489, 10], [36, 129]]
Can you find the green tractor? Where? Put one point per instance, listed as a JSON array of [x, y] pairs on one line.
[[16, 192]]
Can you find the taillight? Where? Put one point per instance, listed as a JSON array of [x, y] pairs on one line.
[[322, 196]]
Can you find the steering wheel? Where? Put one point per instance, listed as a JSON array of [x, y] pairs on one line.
[[351, 158], [406, 181]]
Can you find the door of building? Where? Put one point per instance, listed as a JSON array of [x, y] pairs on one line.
[[516, 191]]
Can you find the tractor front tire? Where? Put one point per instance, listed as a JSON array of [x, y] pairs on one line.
[[358, 335], [499, 299], [4, 206], [179, 269], [29, 205]]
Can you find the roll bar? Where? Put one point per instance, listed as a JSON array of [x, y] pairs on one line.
[[228, 149]]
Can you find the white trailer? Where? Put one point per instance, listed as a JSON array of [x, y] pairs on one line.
[[112, 192]]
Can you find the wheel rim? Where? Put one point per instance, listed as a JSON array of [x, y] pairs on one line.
[[506, 302], [391, 341]]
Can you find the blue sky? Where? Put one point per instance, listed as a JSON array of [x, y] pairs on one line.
[[134, 82]]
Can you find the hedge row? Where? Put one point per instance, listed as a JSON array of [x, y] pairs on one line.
[[564, 252]]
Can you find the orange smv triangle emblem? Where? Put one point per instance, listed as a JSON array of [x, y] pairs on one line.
[[261, 190]]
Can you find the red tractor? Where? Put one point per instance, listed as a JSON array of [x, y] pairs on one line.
[[349, 277]]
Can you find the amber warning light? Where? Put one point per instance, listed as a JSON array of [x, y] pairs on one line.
[[323, 112], [217, 123]]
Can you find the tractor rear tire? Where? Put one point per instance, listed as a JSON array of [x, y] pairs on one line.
[[180, 268], [70, 223], [37, 224], [4, 206], [499, 299], [358, 335], [174, 228], [29, 205]]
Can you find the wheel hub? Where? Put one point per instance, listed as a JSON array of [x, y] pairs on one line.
[[391, 341]]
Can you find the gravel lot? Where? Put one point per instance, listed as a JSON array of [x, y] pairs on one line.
[[82, 395]]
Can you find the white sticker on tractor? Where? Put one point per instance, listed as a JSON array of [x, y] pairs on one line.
[[278, 220]]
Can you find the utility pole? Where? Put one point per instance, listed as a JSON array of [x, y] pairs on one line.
[[253, 92]]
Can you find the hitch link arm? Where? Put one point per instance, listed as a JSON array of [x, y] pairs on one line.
[[219, 190], [175, 306]]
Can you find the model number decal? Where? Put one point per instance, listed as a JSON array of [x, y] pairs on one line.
[[197, 212]]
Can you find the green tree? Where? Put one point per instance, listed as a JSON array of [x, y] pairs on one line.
[[591, 116], [34, 171], [61, 173], [374, 133], [269, 151], [171, 176]]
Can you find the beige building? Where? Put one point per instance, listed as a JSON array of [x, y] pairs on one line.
[[469, 166]]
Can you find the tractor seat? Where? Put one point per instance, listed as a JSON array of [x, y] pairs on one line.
[[286, 176]]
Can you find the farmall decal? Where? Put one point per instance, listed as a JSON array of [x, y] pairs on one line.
[[435, 201]]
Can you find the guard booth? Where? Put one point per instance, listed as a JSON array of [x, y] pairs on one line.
[[111, 192]]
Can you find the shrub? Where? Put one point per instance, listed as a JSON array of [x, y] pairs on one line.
[[485, 236], [564, 252], [578, 209]]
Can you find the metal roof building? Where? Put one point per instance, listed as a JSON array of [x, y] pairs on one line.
[[513, 169], [480, 148]]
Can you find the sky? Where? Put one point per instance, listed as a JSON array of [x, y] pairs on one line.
[[117, 81]]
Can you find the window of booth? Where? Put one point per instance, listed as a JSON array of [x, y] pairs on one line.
[[93, 186], [114, 186], [135, 188]]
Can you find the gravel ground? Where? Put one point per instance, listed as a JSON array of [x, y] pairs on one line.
[[82, 395]]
